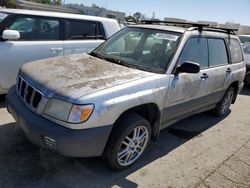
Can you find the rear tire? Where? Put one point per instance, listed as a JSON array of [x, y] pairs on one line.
[[128, 141], [223, 106]]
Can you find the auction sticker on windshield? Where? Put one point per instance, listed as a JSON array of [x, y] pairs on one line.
[[166, 36]]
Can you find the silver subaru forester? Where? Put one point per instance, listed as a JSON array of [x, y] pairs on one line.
[[113, 101]]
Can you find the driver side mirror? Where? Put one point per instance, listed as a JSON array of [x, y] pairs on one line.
[[11, 35], [189, 67]]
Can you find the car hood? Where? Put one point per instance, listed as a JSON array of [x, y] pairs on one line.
[[74, 76]]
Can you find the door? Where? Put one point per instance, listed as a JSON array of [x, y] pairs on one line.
[[82, 36], [39, 39], [219, 71], [187, 91]]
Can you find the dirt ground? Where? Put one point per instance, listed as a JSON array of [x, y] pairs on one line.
[[201, 151]]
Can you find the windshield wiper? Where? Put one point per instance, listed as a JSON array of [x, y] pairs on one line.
[[110, 59], [119, 62], [95, 54]]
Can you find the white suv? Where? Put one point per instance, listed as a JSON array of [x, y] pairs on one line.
[[27, 35]]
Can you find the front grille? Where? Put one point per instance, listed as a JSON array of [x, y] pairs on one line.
[[29, 94], [49, 143]]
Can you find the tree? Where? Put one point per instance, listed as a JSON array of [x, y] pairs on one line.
[[8, 3], [45, 1], [137, 15], [57, 2], [130, 19]]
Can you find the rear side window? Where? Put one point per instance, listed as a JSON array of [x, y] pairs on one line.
[[195, 50], [36, 29], [217, 52], [82, 30], [235, 51]]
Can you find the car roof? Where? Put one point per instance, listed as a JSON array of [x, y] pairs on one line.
[[56, 14]]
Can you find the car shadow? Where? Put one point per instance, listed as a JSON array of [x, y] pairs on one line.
[[26, 165], [2, 101], [246, 90]]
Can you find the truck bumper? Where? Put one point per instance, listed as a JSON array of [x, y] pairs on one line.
[[65, 141]]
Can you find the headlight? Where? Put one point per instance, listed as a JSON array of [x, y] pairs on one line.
[[68, 112]]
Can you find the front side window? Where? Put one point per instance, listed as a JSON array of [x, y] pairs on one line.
[[235, 51], [217, 52], [195, 51], [82, 30], [34, 29], [145, 49], [3, 16]]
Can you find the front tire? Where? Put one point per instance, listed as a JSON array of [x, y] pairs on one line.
[[128, 141], [223, 106]]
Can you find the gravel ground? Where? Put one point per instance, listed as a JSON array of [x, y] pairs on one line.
[[201, 151]]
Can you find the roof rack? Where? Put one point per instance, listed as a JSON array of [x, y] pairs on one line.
[[192, 26]]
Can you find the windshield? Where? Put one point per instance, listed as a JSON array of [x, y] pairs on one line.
[[145, 49], [2, 16]]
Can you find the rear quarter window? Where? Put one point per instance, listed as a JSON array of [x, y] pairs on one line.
[[235, 50]]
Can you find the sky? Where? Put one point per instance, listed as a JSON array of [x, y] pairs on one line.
[[193, 10]]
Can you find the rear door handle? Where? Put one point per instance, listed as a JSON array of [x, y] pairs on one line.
[[204, 76], [228, 70], [54, 50]]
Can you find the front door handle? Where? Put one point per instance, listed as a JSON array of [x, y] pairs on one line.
[[204, 76], [54, 50], [228, 70]]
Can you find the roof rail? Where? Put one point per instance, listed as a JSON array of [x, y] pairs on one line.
[[186, 24], [192, 26], [228, 30]]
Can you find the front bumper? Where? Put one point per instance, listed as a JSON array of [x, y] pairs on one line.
[[65, 141]]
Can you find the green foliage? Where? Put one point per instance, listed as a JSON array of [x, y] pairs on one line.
[[8, 3], [46, 1], [42, 1]]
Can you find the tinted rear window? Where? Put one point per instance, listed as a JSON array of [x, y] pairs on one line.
[[82, 30]]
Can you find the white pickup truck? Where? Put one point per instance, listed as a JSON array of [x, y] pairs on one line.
[[27, 35]]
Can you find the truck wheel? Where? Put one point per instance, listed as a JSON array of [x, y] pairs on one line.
[[128, 141], [223, 106]]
